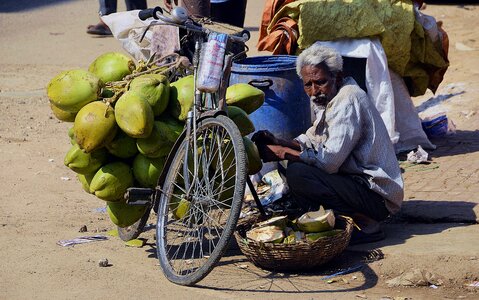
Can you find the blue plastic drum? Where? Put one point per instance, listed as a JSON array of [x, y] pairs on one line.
[[286, 111]]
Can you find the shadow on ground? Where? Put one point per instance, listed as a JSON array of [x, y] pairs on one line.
[[434, 101], [245, 277], [397, 234], [235, 273], [439, 211], [12, 6], [462, 142]]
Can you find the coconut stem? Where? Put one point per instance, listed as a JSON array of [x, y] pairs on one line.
[[117, 92]]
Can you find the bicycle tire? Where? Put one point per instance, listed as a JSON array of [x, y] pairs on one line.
[[133, 231], [190, 245]]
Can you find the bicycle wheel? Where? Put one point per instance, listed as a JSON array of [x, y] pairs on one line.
[[194, 229], [133, 231]]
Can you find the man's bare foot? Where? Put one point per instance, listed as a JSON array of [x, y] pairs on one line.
[[99, 29]]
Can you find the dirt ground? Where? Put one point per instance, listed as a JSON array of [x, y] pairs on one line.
[[41, 201]]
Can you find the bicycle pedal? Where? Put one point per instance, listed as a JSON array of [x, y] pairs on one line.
[[139, 196]]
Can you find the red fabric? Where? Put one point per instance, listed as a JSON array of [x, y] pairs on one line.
[[436, 75], [284, 34]]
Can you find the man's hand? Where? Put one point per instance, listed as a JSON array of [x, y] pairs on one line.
[[266, 154], [276, 153], [168, 3], [264, 137]]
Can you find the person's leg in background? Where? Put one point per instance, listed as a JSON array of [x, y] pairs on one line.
[[197, 8], [135, 4], [106, 7], [229, 11]]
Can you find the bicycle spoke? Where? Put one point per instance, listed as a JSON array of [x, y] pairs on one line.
[[192, 235]]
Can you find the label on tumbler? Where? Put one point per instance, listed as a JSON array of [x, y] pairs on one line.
[[211, 63]]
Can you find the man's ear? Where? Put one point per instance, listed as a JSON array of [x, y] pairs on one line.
[[339, 79]]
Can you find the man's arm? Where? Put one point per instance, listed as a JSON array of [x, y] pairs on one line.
[[343, 133], [276, 153]]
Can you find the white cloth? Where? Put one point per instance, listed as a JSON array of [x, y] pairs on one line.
[[128, 29], [390, 97], [378, 82], [408, 123]]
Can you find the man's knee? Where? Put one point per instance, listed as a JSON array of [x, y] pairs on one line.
[[295, 173]]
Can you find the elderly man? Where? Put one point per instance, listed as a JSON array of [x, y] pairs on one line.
[[345, 161]]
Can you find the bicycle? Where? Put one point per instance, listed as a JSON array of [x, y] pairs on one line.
[[199, 194]]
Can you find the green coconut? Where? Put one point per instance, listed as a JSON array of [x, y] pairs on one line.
[[94, 126], [154, 88], [179, 208], [112, 66], [71, 90], [111, 181], [162, 138], [85, 180], [254, 160], [182, 95], [241, 119], [62, 115], [122, 145], [71, 135], [314, 236], [316, 221], [124, 215], [85, 163], [226, 192], [266, 234], [227, 155], [134, 115], [147, 170], [244, 96]]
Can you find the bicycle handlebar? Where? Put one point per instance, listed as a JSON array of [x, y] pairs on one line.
[[149, 13], [179, 18]]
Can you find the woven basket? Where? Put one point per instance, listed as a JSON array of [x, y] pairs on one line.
[[299, 256]]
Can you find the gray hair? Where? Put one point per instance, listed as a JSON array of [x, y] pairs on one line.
[[317, 54]]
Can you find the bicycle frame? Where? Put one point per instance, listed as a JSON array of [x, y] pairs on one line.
[[201, 109]]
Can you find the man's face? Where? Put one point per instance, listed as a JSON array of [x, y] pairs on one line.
[[318, 84]]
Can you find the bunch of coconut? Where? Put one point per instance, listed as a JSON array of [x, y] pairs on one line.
[[308, 228], [126, 118]]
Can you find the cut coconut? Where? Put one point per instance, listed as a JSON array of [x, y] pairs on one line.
[[294, 237], [311, 237], [267, 234], [280, 222], [316, 221]]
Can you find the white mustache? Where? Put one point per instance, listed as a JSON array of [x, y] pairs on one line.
[[320, 98]]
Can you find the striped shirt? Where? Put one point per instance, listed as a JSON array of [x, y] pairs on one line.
[[350, 137]]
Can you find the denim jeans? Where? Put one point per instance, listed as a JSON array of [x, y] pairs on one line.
[[109, 6]]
